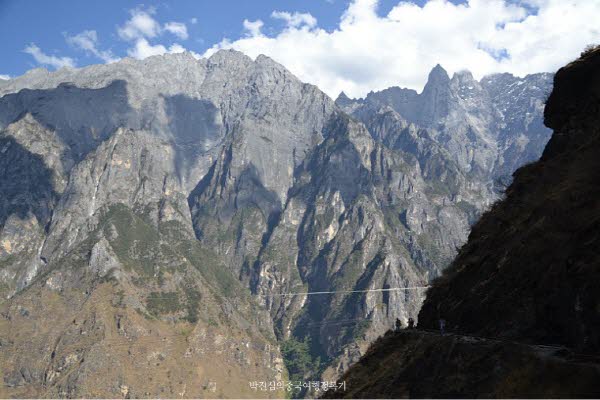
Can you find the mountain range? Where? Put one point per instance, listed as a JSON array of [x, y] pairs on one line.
[[162, 221]]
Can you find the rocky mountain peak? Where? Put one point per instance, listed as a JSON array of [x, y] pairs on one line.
[[463, 76], [167, 58], [464, 80], [501, 116], [229, 58], [437, 76], [343, 98]]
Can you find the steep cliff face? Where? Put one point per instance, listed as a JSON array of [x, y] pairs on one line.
[[337, 236], [521, 300], [189, 203]]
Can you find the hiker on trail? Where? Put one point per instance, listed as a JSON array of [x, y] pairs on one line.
[[411, 323], [398, 325], [442, 326]]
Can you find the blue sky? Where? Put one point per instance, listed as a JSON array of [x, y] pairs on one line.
[[45, 23], [355, 46]]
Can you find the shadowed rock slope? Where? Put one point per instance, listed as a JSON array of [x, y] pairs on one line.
[[528, 276]]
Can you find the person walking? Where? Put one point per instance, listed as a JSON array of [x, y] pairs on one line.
[[442, 326], [398, 325], [411, 323]]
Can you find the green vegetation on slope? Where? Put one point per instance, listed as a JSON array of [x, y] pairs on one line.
[[299, 362]]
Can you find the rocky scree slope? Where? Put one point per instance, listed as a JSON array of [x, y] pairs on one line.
[[527, 280], [146, 203]]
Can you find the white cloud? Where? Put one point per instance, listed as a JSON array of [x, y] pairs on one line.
[[194, 21], [253, 27], [45, 59], [140, 25], [371, 52], [88, 42], [143, 49], [295, 20], [4, 77], [178, 29]]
